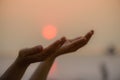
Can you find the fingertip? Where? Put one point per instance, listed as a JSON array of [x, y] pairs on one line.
[[62, 41], [92, 31], [40, 47], [63, 38], [89, 35], [57, 42]]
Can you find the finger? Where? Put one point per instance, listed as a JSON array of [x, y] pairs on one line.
[[79, 43], [89, 35], [34, 50], [85, 39], [57, 43], [63, 39], [50, 50], [75, 39], [53, 48]]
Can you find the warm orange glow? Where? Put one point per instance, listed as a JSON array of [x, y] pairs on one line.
[[49, 32], [53, 69]]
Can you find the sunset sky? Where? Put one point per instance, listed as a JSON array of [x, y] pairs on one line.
[[22, 23]]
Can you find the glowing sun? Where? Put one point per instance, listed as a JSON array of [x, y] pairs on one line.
[[49, 32]]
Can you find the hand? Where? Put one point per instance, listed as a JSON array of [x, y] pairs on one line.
[[72, 45], [37, 53]]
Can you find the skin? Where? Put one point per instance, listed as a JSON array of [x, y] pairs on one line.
[[47, 55], [28, 56], [70, 45]]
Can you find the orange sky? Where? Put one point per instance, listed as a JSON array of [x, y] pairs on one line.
[[22, 21]]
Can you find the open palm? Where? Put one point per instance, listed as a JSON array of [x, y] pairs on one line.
[[72, 45]]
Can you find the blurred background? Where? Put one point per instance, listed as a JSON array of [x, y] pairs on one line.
[[22, 24]]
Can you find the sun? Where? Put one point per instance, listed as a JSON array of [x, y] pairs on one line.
[[49, 32]]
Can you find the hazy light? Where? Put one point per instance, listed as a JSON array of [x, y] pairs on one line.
[[49, 32], [53, 69]]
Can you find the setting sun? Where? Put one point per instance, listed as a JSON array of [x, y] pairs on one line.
[[49, 32]]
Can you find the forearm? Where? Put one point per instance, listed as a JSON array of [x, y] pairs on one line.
[[14, 72], [43, 69]]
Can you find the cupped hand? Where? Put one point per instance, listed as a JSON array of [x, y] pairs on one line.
[[72, 45], [37, 53]]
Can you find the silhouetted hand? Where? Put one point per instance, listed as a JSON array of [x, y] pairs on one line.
[[72, 45], [28, 56], [37, 53]]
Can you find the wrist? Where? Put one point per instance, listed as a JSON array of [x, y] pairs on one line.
[[59, 53], [55, 55], [52, 57], [21, 63]]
